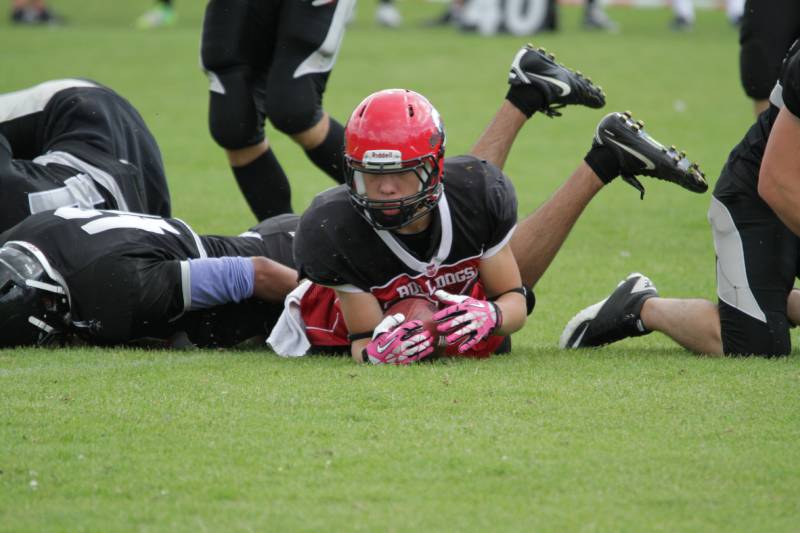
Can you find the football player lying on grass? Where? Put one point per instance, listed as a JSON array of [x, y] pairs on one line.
[[409, 223], [114, 278], [73, 142], [109, 277]]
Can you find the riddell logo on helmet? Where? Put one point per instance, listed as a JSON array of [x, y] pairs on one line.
[[382, 157]]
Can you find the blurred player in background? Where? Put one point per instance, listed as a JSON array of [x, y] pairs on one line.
[[595, 17], [755, 222], [768, 29], [73, 142], [159, 16], [387, 14], [520, 18], [33, 12], [410, 223], [683, 13], [271, 60]]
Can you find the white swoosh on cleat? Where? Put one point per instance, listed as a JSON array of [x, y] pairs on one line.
[[565, 90], [577, 342], [647, 163]]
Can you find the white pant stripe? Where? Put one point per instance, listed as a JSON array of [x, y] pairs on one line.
[[732, 285], [324, 57], [33, 100]]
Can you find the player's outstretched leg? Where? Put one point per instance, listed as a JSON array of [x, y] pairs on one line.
[[538, 83], [638, 154], [615, 318]]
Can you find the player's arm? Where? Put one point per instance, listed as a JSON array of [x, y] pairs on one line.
[[501, 279], [779, 177], [272, 281], [221, 280], [362, 314]]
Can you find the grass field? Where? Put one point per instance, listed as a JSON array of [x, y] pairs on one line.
[[638, 436]]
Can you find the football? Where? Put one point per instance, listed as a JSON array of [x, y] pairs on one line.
[[418, 308]]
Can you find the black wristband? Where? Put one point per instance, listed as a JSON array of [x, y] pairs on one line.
[[519, 290], [525, 98], [358, 336], [530, 300], [499, 320], [603, 162], [526, 292]]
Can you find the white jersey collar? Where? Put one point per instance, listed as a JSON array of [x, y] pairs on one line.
[[442, 253]]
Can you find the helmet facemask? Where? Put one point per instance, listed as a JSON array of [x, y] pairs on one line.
[[391, 132], [410, 208]]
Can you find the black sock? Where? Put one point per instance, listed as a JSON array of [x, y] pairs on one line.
[[551, 18], [526, 98], [265, 186], [328, 155], [603, 162]]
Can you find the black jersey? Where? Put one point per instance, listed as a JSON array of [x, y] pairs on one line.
[[474, 218], [75, 143], [127, 275], [336, 248], [741, 170]]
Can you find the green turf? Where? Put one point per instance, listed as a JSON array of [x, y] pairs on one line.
[[638, 436]]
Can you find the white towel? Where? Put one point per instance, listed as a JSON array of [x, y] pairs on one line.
[[288, 337]]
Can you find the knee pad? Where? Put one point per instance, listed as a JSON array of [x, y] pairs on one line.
[[745, 335], [294, 107], [233, 118]]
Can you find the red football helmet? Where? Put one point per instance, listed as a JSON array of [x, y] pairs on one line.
[[392, 131]]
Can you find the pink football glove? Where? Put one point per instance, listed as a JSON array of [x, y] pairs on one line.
[[466, 320], [396, 342]]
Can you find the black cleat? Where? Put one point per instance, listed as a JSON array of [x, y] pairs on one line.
[[615, 318], [559, 85], [641, 155]]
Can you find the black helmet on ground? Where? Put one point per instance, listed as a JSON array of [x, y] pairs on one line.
[[33, 308]]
